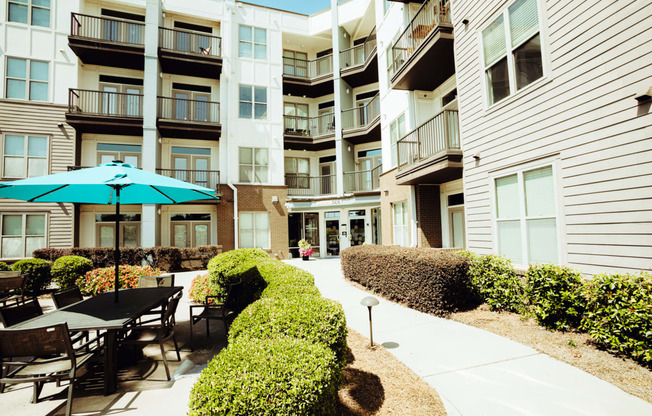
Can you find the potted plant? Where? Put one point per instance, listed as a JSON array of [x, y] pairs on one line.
[[304, 250]]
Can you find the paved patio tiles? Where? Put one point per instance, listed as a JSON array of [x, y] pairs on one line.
[[475, 372]]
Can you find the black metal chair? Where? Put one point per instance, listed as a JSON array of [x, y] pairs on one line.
[[51, 358], [67, 297], [15, 314], [218, 308], [12, 287]]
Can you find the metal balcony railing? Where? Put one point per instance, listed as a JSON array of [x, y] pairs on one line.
[[111, 104], [362, 116], [300, 185], [360, 181], [194, 111], [107, 29], [429, 16], [198, 43], [309, 126], [439, 134], [205, 178], [302, 68], [359, 54]]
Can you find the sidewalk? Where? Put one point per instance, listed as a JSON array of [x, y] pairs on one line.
[[475, 372]]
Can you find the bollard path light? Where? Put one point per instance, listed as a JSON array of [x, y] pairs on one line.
[[370, 302]]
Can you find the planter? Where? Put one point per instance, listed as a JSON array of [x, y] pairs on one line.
[[305, 258]]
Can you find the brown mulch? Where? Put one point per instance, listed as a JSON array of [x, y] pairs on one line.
[[377, 383], [574, 348]]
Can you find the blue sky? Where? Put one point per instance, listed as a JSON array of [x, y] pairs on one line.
[[299, 6]]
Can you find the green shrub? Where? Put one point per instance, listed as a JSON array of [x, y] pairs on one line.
[[283, 376], [67, 269], [276, 291], [102, 280], [431, 281], [234, 265], [495, 282], [4, 267], [619, 314], [312, 318], [554, 295], [39, 273]]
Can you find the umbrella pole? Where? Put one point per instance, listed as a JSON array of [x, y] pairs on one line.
[[116, 253]]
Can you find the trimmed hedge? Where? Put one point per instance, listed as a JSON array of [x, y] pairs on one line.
[[4, 267], [102, 280], [235, 265], [67, 269], [39, 274], [281, 376], [424, 279], [312, 318], [275, 291]]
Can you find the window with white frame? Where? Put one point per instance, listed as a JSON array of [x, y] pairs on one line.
[[27, 79], [129, 230], [401, 229], [254, 230], [253, 102], [21, 234], [511, 47], [253, 42], [297, 172], [526, 216], [253, 164], [33, 12], [397, 130], [24, 156]]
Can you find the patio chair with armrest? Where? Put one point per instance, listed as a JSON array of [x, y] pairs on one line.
[[12, 287], [164, 280], [65, 298], [50, 357], [15, 314], [221, 308]]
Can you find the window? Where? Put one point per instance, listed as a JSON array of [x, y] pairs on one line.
[[297, 172], [295, 63], [34, 12], [397, 130], [24, 156], [253, 102], [401, 230], [27, 79], [21, 234], [253, 165], [190, 230], [511, 47], [129, 230], [253, 42], [526, 219], [254, 230], [128, 153]]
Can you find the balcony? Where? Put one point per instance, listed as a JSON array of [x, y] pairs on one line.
[[362, 124], [310, 78], [309, 133], [310, 186], [107, 41], [359, 64], [422, 57], [206, 178], [184, 52], [362, 181], [105, 112], [431, 153], [189, 119]]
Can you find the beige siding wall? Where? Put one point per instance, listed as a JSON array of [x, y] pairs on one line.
[[44, 120], [582, 114]]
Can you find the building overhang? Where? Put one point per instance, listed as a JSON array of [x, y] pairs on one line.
[[107, 53], [437, 169], [191, 64]]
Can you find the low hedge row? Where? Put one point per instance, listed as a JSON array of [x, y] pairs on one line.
[[426, 280], [286, 350]]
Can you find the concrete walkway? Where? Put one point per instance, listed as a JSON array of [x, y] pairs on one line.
[[475, 372]]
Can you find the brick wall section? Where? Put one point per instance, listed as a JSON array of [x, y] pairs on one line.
[[390, 193], [259, 198], [225, 223], [428, 216]]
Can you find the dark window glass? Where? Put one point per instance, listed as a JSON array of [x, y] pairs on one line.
[[527, 59], [498, 81]]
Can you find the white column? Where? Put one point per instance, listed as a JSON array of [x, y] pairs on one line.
[[339, 155]]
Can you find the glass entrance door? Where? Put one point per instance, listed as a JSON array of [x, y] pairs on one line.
[[357, 227], [332, 233]]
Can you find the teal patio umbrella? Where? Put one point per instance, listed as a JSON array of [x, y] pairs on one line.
[[112, 183]]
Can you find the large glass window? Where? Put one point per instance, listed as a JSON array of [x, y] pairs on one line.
[[253, 165], [297, 172], [129, 230], [190, 230], [401, 229], [27, 79], [34, 12], [21, 234], [253, 42], [526, 217], [253, 102], [512, 50], [24, 156], [254, 230], [397, 130], [128, 153], [295, 63]]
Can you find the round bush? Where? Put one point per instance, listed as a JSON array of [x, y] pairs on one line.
[[4, 267], [234, 265], [39, 273], [312, 318], [275, 291], [284, 377], [66, 270], [102, 280]]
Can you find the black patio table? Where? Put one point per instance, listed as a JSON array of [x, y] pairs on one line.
[[102, 313]]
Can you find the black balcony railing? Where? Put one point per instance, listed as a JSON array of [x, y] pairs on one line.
[[198, 43], [205, 178], [361, 181], [193, 111], [309, 126], [107, 29], [359, 54], [361, 116], [429, 16], [439, 134], [302, 68], [105, 103], [300, 185]]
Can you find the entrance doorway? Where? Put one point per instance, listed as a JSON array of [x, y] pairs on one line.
[[303, 225], [357, 227], [332, 233]]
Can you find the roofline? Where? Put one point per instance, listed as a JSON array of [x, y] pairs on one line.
[[283, 10]]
